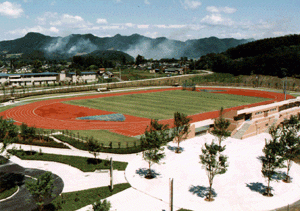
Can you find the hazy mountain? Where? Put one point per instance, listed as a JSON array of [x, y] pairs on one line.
[[133, 45]]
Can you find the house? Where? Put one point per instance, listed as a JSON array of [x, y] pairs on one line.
[[173, 70], [154, 71]]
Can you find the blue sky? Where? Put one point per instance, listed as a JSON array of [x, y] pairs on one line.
[[174, 19]]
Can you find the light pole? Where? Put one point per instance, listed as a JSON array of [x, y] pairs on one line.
[[171, 194]]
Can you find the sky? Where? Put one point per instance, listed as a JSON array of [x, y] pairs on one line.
[[174, 19]]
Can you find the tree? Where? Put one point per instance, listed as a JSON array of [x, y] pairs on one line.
[[221, 127], [139, 60], [94, 148], [27, 131], [41, 189], [215, 163], [290, 148], [8, 132], [37, 64], [293, 122], [181, 128], [154, 138], [271, 161], [102, 206]]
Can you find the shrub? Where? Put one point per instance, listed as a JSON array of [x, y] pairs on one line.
[[102, 206]]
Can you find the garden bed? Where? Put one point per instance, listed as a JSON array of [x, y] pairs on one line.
[[43, 141]]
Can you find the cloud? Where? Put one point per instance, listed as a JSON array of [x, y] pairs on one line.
[[217, 19], [163, 26], [9, 9], [189, 4], [147, 2], [117, 1], [42, 20], [227, 10], [38, 29], [131, 25], [101, 21], [54, 29], [67, 20], [143, 26], [151, 34]]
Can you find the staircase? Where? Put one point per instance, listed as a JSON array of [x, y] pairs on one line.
[[239, 134]]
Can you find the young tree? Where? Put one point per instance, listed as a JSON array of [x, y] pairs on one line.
[[290, 148], [41, 189], [181, 128], [102, 205], [8, 132], [215, 163], [271, 161], [94, 148], [293, 122], [154, 138], [221, 128]]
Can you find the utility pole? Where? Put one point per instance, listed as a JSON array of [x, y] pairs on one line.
[[111, 175], [285, 85], [171, 194], [120, 74]]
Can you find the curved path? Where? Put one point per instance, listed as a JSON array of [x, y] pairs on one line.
[[53, 114], [22, 200]]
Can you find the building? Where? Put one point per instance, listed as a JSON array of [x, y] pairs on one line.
[[45, 78], [248, 122]]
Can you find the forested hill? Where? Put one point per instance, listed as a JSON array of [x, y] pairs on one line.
[[278, 56], [69, 46], [264, 46]]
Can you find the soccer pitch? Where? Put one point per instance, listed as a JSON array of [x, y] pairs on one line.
[[162, 105]]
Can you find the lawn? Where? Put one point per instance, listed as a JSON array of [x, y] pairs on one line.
[[114, 146], [162, 105], [83, 163], [76, 200], [105, 137], [9, 192]]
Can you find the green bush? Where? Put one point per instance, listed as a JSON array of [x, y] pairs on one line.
[[101, 205]]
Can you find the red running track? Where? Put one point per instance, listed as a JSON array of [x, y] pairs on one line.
[[52, 114]]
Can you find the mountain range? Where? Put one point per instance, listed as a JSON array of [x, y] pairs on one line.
[[135, 44]]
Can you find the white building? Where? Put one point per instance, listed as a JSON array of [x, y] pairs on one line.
[[46, 78]]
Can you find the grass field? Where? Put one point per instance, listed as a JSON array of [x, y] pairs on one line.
[[78, 199], [82, 163], [9, 192], [162, 105], [105, 137]]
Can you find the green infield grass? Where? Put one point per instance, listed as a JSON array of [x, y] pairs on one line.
[[163, 105]]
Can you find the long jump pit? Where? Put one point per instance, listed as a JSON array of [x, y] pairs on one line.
[[54, 114]]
